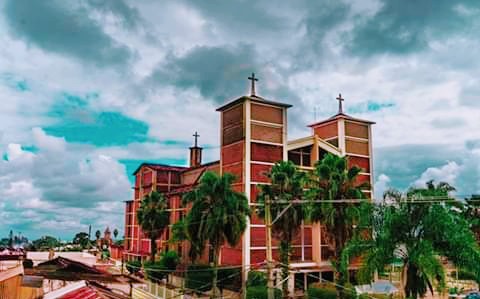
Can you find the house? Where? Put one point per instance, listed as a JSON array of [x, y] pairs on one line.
[[14, 284]]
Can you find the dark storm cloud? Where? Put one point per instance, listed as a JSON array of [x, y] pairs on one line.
[[54, 27], [402, 27], [218, 73], [245, 16], [404, 164], [129, 15], [321, 17], [469, 96]]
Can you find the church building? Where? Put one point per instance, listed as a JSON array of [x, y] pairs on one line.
[[253, 136]]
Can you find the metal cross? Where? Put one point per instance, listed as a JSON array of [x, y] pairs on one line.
[[252, 88], [196, 138], [340, 100]]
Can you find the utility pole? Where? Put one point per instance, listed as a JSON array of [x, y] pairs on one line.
[[268, 228]]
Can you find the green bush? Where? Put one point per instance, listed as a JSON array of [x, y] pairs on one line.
[[256, 278], [155, 271], [464, 275], [159, 270], [169, 260], [349, 291], [321, 293], [230, 279], [199, 278], [133, 266], [260, 292]]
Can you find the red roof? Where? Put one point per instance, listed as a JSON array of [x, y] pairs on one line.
[[82, 293], [156, 166], [341, 115]]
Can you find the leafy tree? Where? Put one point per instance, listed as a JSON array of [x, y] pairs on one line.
[[81, 239], [46, 242], [471, 212], [287, 184], [115, 233], [218, 216], [332, 180], [418, 231], [153, 217]]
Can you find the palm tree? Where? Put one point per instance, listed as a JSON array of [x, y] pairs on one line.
[[153, 217], [218, 215], [286, 187], [417, 233], [332, 181]]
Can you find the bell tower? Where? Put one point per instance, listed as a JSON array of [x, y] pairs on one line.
[[253, 136]]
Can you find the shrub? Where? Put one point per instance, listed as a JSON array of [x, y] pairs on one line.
[[159, 270], [155, 271], [199, 278], [256, 278], [464, 275], [133, 266], [321, 293], [28, 264], [169, 260], [260, 292], [349, 291], [230, 279]]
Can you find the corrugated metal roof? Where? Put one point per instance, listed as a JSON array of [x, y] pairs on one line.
[[82, 293]]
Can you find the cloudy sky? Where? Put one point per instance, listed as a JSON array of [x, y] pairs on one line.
[[89, 89]]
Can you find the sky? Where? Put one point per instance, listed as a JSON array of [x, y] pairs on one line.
[[90, 89]]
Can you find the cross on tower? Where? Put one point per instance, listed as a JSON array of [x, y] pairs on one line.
[[252, 88], [340, 100], [196, 138]]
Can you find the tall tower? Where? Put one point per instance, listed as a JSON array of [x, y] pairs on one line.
[[353, 138], [253, 136]]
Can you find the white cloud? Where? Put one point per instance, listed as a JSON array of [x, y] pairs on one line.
[[61, 186], [447, 173], [381, 185]]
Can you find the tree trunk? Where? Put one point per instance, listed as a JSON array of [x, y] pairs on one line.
[[339, 275], [153, 249], [285, 260], [215, 273]]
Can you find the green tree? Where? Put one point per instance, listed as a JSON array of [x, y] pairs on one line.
[[334, 183], [417, 231], [153, 217], [471, 212], [218, 215], [287, 184], [115, 233], [81, 239], [46, 242]]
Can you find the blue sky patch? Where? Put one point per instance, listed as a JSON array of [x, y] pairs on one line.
[[30, 148], [15, 82], [370, 106], [77, 122]]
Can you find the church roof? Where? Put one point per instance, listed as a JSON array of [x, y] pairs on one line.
[[159, 166], [344, 116], [252, 98]]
